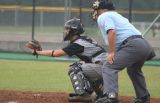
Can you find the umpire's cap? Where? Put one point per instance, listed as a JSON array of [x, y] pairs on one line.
[[103, 4]]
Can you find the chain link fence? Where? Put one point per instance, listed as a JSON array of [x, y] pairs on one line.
[[50, 15]]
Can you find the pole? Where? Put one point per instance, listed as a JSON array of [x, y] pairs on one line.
[[66, 10], [80, 10], [145, 32], [33, 20], [130, 10]]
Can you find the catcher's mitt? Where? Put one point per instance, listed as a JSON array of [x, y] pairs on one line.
[[35, 46]]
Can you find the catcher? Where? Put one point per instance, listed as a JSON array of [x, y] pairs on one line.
[[85, 77]]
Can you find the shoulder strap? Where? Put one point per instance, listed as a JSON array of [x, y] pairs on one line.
[[91, 41]]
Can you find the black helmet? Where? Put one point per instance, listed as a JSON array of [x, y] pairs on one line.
[[101, 4], [74, 26]]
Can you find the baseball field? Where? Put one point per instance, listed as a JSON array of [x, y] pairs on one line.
[[35, 81]]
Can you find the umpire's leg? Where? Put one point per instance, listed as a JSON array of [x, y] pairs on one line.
[[132, 52], [136, 75]]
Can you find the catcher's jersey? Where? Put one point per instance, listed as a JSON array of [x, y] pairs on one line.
[[86, 49]]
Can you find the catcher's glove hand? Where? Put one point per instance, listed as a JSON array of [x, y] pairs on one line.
[[34, 45]]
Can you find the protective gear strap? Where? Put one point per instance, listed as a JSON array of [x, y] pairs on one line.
[[79, 82]]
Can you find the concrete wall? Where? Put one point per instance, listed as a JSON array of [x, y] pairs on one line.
[[13, 46]]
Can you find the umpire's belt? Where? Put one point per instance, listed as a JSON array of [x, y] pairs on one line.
[[130, 38]]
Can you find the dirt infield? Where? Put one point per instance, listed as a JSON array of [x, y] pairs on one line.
[[47, 97]]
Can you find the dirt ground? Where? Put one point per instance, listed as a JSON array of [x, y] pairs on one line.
[[47, 97]]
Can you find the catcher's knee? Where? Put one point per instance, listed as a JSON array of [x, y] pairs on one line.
[[79, 82]]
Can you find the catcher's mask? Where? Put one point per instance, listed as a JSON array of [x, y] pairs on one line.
[[101, 4], [72, 27]]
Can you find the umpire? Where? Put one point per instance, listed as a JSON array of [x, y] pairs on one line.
[[85, 77], [126, 49]]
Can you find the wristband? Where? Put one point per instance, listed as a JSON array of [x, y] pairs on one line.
[[52, 53]]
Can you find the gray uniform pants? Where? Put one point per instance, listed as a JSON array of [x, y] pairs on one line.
[[132, 56], [93, 72]]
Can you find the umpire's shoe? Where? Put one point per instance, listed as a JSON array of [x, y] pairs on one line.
[[110, 98], [145, 99]]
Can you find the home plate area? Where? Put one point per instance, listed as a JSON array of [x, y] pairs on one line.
[[7, 96]]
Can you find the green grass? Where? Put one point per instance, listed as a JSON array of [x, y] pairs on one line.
[[52, 76], [34, 76], [152, 76]]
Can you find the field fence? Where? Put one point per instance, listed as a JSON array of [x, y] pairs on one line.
[[50, 15]]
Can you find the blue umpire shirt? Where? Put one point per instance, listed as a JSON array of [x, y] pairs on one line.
[[113, 20]]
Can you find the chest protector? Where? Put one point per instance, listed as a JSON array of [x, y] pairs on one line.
[[91, 49]]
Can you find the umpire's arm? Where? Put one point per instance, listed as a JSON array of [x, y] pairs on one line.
[[111, 46]]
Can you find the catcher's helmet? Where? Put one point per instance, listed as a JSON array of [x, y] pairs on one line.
[[101, 4], [74, 27]]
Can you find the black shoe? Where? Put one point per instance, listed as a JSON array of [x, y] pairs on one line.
[[98, 97], [107, 100], [145, 99], [110, 98], [73, 97]]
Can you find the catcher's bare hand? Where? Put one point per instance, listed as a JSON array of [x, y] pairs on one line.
[[111, 57]]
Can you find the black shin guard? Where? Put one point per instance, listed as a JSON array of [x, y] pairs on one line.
[[79, 82]]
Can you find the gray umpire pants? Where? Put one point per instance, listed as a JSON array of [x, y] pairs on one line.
[[132, 56]]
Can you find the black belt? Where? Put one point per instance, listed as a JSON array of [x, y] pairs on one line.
[[130, 38]]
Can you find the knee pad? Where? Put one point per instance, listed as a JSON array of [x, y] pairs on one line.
[[79, 82]]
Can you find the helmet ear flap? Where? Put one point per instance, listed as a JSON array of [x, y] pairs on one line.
[[66, 33], [80, 29]]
